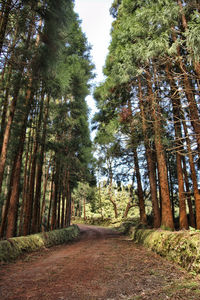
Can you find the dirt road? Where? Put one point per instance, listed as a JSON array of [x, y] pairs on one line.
[[100, 265]]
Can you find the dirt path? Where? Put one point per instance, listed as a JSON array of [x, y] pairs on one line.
[[100, 265]]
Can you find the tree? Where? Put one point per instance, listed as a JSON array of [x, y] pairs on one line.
[[45, 76], [152, 64]]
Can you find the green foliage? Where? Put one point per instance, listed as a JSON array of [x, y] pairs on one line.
[[192, 35], [68, 131], [98, 204], [140, 33], [121, 198], [85, 192]]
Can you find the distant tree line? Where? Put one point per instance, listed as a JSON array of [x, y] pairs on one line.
[[93, 204]]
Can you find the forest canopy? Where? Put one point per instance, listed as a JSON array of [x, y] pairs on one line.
[[45, 69], [151, 94]]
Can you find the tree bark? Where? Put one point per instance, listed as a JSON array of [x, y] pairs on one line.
[[55, 198], [7, 131], [44, 192], [84, 211], [189, 201], [167, 218], [14, 191], [68, 204], [171, 187], [150, 161], [143, 217], [14, 195], [111, 196], [5, 108], [50, 200], [58, 205], [128, 207], [64, 199], [36, 209], [25, 184], [30, 195], [193, 176], [176, 105]]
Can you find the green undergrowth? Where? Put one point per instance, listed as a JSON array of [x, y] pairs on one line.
[[92, 221], [120, 224], [12, 248], [181, 247]]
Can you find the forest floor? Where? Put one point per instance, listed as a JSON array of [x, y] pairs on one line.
[[101, 264]]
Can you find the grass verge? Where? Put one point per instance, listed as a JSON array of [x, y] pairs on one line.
[[12, 248], [182, 247]]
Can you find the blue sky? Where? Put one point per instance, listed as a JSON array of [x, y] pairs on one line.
[[96, 24]]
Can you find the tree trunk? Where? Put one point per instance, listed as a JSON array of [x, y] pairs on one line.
[[5, 107], [189, 201], [5, 213], [7, 131], [68, 204], [171, 187], [73, 209], [150, 161], [36, 209], [176, 105], [167, 218], [30, 195], [84, 211], [79, 208], [193, 176], [58, 205], [143, 217], [27, 187], [128, 207], [130, 202], [69, 209], [44, 192], [25, 184], [50, 201], [55, 198], [14, 195], [100, 202], [6, 136], [7, 88], [64, 199], [111, 196]]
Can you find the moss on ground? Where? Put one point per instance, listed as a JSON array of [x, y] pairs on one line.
[[12, 248], [182, 247], [189, 288]]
